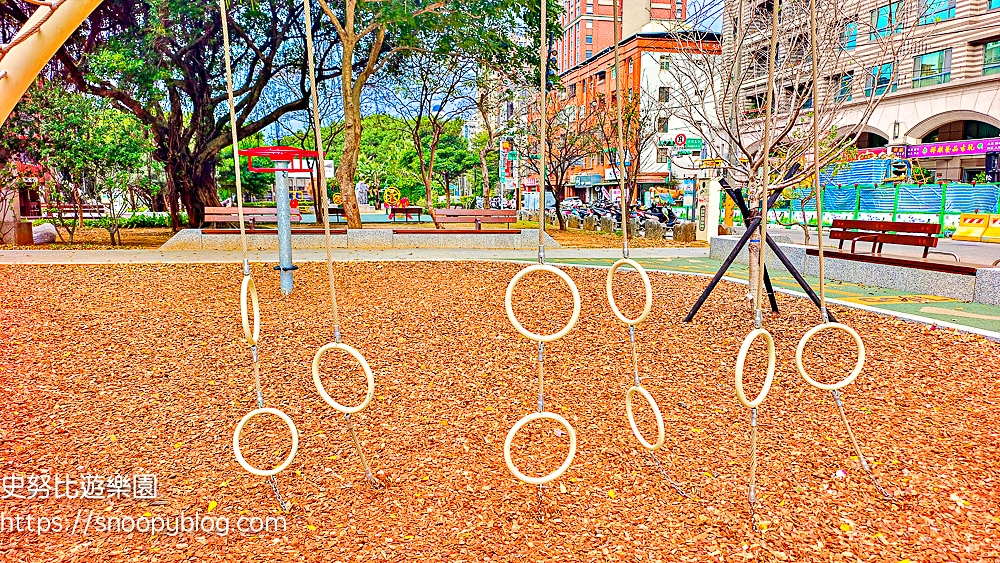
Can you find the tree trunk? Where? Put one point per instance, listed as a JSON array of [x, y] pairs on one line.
[[349, 156], [194, 182], [559, 215], [485, 170], [447, 192]]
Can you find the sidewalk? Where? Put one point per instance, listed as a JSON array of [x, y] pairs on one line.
[[927, 309]]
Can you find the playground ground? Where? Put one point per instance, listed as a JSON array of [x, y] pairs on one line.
[[140, 369]]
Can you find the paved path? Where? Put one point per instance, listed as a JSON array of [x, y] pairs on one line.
[[318, 255], [928, 309]]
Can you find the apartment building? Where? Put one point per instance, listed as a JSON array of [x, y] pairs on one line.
[[646, 59], [941, 82], [589, 25]]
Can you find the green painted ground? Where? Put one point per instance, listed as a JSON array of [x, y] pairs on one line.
[[975, 315]]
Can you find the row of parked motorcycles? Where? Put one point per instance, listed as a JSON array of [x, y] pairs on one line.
[[660, 213]]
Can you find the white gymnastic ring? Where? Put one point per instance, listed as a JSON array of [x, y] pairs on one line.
[[741, 360], [364, 365], [510, 308], [857, 367], [660, 431], [645, 282], [561, 469], [250, 287], [291, 454]]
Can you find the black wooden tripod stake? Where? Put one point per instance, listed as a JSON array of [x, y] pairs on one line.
[[752, 222]]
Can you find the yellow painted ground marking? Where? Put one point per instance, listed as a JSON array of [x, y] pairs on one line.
[[941, 311]]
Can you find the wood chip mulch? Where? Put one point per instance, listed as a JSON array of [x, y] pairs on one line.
[[109, 370]]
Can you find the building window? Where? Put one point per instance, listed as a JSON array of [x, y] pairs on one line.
[[590, 40], [849, 35], [680, 13], [932, 68], [590, 54], [932, 11], [664, 94], [590, 8], [846, 86], [885, 21], [590, 24], [662, 124], [664, 62], [991, 58], [994, 4], [662, 155], [879, 78], [630, 66]]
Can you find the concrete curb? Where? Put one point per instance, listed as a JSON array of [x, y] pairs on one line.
[[194, 239], [984, 287]]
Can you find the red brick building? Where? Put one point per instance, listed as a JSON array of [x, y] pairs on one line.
[[589, 25]]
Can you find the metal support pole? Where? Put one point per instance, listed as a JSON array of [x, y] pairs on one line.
[[751, 225], [284, 231]]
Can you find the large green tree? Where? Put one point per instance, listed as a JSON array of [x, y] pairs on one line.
[[88, 147], [376, 32], [162, 61]]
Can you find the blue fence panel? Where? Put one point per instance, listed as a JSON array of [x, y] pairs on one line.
[[920, 199], [966, 198], [877, 199], [840, 199], [872, 171]]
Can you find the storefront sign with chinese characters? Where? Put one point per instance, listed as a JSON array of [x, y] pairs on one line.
[[953, 148]]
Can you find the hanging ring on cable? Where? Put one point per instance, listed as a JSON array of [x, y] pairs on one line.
[[561, 469], [250, 288], [741, 360], [660, 432], [646, 285], [239, 454], [364, 365], [857, 367], [510, 308]]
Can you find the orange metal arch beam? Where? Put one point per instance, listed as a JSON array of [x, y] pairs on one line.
[[20, 66]]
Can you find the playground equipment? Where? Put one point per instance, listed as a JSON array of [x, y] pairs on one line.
[[826, 324], [337, 199], [391, 196], [248, 291], [336, 344], [636, 387], [22, 58], [759, 330], [541, 338]]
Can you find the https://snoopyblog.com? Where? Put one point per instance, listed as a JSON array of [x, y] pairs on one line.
[[88, 521]]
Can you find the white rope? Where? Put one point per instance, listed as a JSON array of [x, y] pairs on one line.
[[336, 344], [249, 289]]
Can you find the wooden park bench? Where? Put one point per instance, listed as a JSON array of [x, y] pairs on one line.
[[69, 211], [477, 216], [395, 212], [880, 233], [335, 212], [252, 215]]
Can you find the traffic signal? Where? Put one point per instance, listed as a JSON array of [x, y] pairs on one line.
[[551, 70]]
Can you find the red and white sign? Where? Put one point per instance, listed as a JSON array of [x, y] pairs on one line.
[[680, 140]]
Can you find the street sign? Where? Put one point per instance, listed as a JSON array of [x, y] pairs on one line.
[[680, 140], [711, 163], [693, 143], [512, 155]]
